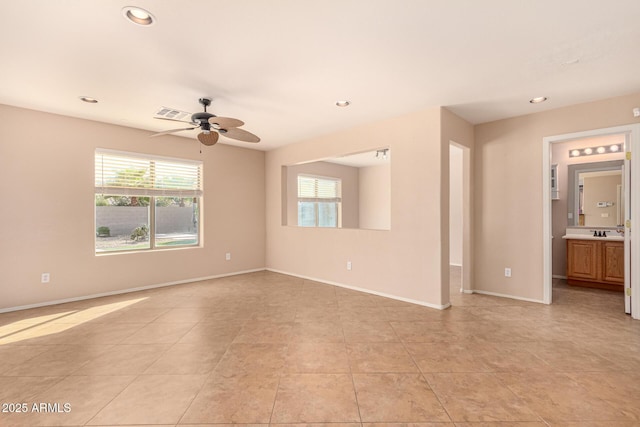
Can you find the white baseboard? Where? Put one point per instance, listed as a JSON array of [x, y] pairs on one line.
[[557, 276], [368, 291], [126, 291], [495, 294], [453, 264]]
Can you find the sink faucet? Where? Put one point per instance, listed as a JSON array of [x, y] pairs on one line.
[[620, 230]]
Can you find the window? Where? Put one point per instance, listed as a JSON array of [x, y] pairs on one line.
[[319, 201], [146, 202]]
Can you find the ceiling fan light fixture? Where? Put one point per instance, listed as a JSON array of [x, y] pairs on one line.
[[208, 138], [138, 15], [211, 126]]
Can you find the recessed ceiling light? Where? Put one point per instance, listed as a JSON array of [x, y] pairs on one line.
[[89, 99], [343, 103], [538, 100], [572, 61], [138, 16]]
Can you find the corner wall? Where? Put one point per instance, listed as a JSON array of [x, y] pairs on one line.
[[404, 261], [47, 185]]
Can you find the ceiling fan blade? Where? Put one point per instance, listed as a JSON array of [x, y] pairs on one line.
[[208, 138], [239, 134], [175, 120], [225, 122], [169, 131]]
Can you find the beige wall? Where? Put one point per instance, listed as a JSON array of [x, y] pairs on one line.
[[508, 190], [47, 184], [375, 197], [409, 261], [601, 189], [405, 261], [350, 185], [559, 207]]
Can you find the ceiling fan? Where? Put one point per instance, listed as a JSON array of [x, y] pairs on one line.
[[212, 126]]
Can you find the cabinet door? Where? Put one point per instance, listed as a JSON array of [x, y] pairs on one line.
[[582, 259], [613, 262]]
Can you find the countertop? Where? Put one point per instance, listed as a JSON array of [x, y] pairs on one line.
[[614, 237]]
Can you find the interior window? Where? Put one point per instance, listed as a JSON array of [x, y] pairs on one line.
[[319, 201]]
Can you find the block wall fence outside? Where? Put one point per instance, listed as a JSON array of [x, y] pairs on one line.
[[121, 220]]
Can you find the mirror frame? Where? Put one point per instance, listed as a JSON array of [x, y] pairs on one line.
[[573, 182]]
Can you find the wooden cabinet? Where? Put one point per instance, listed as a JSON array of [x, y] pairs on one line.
[[595, 263], [613, 262]]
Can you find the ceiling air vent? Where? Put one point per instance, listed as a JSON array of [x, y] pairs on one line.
[[171, 113]]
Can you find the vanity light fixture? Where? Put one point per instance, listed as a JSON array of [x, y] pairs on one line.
[[538, 99], [343, 103], [88, 99], [138, 15], [382, 154], [589, 151]]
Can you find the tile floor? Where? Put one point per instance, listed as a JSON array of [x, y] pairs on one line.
[[264, 348]]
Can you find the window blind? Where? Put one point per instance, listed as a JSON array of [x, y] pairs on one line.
[[316, 189], [134, 174]]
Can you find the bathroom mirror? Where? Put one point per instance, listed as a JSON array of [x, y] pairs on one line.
[[351, 191], [596, 194]]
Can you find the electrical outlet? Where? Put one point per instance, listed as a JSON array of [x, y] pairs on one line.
[[507, 272], [349, 265], [228, 256], [45, 278]]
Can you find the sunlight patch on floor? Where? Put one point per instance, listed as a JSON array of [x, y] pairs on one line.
[[40, 326]]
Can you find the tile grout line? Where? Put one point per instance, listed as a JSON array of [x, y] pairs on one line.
[[353, 381], [422, 375], [208, 377]]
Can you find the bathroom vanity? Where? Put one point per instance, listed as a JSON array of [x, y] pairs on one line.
[[596, 262]]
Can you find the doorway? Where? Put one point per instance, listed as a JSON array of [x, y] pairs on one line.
[[587, 175], [552, 222], [460, 218]]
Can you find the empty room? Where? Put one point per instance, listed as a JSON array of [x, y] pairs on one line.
[[353, 213]]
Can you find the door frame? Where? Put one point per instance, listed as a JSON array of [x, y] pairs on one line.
[[466, 285], [632, 133]]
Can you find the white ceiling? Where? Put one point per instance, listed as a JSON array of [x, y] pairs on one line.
[[280, 65]]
